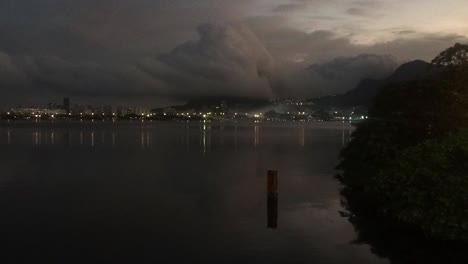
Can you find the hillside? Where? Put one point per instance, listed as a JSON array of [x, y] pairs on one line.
[[367, 89]]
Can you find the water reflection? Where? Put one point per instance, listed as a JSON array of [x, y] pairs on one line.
[[113, 139], [67, 138], [302, 136], [37, 138], [401, 245], [347, 129], [199, 194], [256, 134], [221, 135], [235, 135], [187, 137], [145, 139], [204, 137]]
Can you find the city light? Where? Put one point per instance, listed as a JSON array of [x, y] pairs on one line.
[[55, 111]]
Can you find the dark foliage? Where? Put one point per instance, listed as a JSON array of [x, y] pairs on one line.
[[408, 162], [453, 56]]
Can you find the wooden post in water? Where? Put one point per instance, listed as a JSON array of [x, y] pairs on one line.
[[272, 196]]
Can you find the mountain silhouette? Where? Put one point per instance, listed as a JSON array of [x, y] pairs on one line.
[[364, 93]]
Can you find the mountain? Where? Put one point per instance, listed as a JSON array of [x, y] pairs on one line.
[[364, 93], [232, 102], [221, 103], [414, 70]]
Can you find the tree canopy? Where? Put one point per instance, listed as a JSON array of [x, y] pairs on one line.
[[453, 56], [385, 166]]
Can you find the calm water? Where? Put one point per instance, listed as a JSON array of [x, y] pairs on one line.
[[153, 192]]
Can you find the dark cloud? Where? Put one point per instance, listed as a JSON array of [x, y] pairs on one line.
[[371, 4], [361, 66], [416, 46], [357, 11], [446, 37], [27, 79], [340, 74], [298, 5], [405, 32], [365, 8], [116, 28], [291, 45], [227, 60], [150, 49], [289, 7]]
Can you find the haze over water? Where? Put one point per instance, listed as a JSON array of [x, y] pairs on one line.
[[143, 192]]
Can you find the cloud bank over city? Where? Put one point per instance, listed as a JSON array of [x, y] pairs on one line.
[[165, 51]]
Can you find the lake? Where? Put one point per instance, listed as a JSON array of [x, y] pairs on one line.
[[172, 192]]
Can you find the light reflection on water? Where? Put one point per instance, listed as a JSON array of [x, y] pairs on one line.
[[149, 135], [144, 192]]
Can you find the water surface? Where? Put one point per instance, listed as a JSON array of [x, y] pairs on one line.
[[162, 192]]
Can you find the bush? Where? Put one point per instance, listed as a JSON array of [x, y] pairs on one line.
[[428, 187]]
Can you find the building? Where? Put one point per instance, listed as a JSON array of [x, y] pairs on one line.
[[66, 105], [120, 112], [107, 110]]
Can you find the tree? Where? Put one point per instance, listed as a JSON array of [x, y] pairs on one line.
[[404, 116], [453, 56], [428, 187]]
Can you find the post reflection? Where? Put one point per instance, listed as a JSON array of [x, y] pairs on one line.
[[256, 132], [302, 136], [8, 137]]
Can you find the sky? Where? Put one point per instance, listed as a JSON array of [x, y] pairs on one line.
[[155, 52]]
